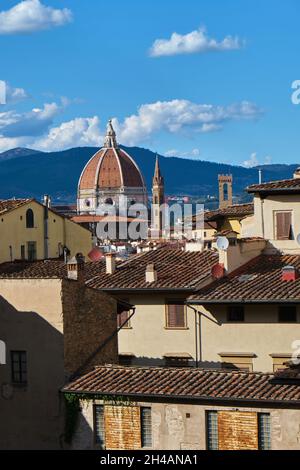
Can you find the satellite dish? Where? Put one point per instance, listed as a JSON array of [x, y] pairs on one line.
[[222, 243], [298, 238]]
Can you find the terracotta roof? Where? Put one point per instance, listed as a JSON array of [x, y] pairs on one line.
[[7, 205], [237, 210], [257, 281], [176, 269], [185, 383], [110, 168], [292, 185], [53, 268]]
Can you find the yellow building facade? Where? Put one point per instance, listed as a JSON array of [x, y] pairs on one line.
[[31, 231]]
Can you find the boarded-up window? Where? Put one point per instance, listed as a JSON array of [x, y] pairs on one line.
[[122, 427], [175, 317], [236, 430], [283, 225]]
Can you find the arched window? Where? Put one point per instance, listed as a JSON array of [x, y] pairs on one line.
[[109, 201], [29, 219]]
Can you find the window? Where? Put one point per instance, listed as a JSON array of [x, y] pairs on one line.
[[264, 431], [126, 359], [287, 314], [122, 317], [31, 248], [237, 361], [23, 252], [212, 439], [99, 429], [19, 367], [230, 430], [236, 313], [176, 315], [173, 360], [29, 219], [146, 427], [283, 225]]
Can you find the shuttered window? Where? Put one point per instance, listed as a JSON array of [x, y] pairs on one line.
[[122, 317], [212, 430], [283, 225], [146, 427], [264, 431], [176, 317], [99, 428], [236, 430]]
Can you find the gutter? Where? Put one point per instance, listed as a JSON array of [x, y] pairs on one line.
[[239, 301], [204, 399]]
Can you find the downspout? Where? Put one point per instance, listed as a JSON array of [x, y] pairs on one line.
[[262, 218], [46, 231]]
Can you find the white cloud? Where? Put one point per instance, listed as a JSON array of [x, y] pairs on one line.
[[180, 115], [31, 15], [253, 161], [32, 123], [192, 154], [195, 42], [14, 95], [79, 132]]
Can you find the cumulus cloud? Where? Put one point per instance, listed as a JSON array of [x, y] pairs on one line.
[[180, 115], [32, 123], [194, 42], [79, 132], [253, 161], [31, 15], [14, 95]]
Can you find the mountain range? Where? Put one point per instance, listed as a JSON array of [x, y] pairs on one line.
[[28, 173]]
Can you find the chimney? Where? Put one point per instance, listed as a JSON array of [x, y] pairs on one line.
[[289, 273], [47, 201], [297, 173], [151, 273], [110, 263], [75, 268]]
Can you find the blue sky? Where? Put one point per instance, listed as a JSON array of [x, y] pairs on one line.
[[221, 94]]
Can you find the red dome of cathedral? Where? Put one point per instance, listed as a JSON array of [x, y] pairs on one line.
[[111, 168]]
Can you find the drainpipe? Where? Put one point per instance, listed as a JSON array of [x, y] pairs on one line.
[[46, 238]]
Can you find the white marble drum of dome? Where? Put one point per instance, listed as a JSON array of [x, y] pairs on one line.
[[111, 176]]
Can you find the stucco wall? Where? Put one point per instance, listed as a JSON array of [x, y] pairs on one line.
[[13, 232], [260, 333], [183, 426], [148, 338], [59, 324]]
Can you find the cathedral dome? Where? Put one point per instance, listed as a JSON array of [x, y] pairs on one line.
[[110, 174], [111, 168]]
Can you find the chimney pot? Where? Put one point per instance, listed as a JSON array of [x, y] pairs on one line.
[[151, 273], [110, 260], [289, 273], [297, 173], [75, 268]]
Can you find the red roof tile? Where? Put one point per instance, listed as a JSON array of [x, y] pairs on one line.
[[176, 269], [7, 205], [185, 383], [257, 281], [237, 210], [276, 186]]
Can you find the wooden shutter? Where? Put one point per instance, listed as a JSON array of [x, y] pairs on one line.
[[122, 317], [175, 316], [283, 225], [122, 427], [237, 430]]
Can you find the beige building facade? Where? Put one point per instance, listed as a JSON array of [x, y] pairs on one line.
[[52, 329]]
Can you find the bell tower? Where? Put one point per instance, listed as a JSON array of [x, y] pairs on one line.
[[225, 191], [158, 198]]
